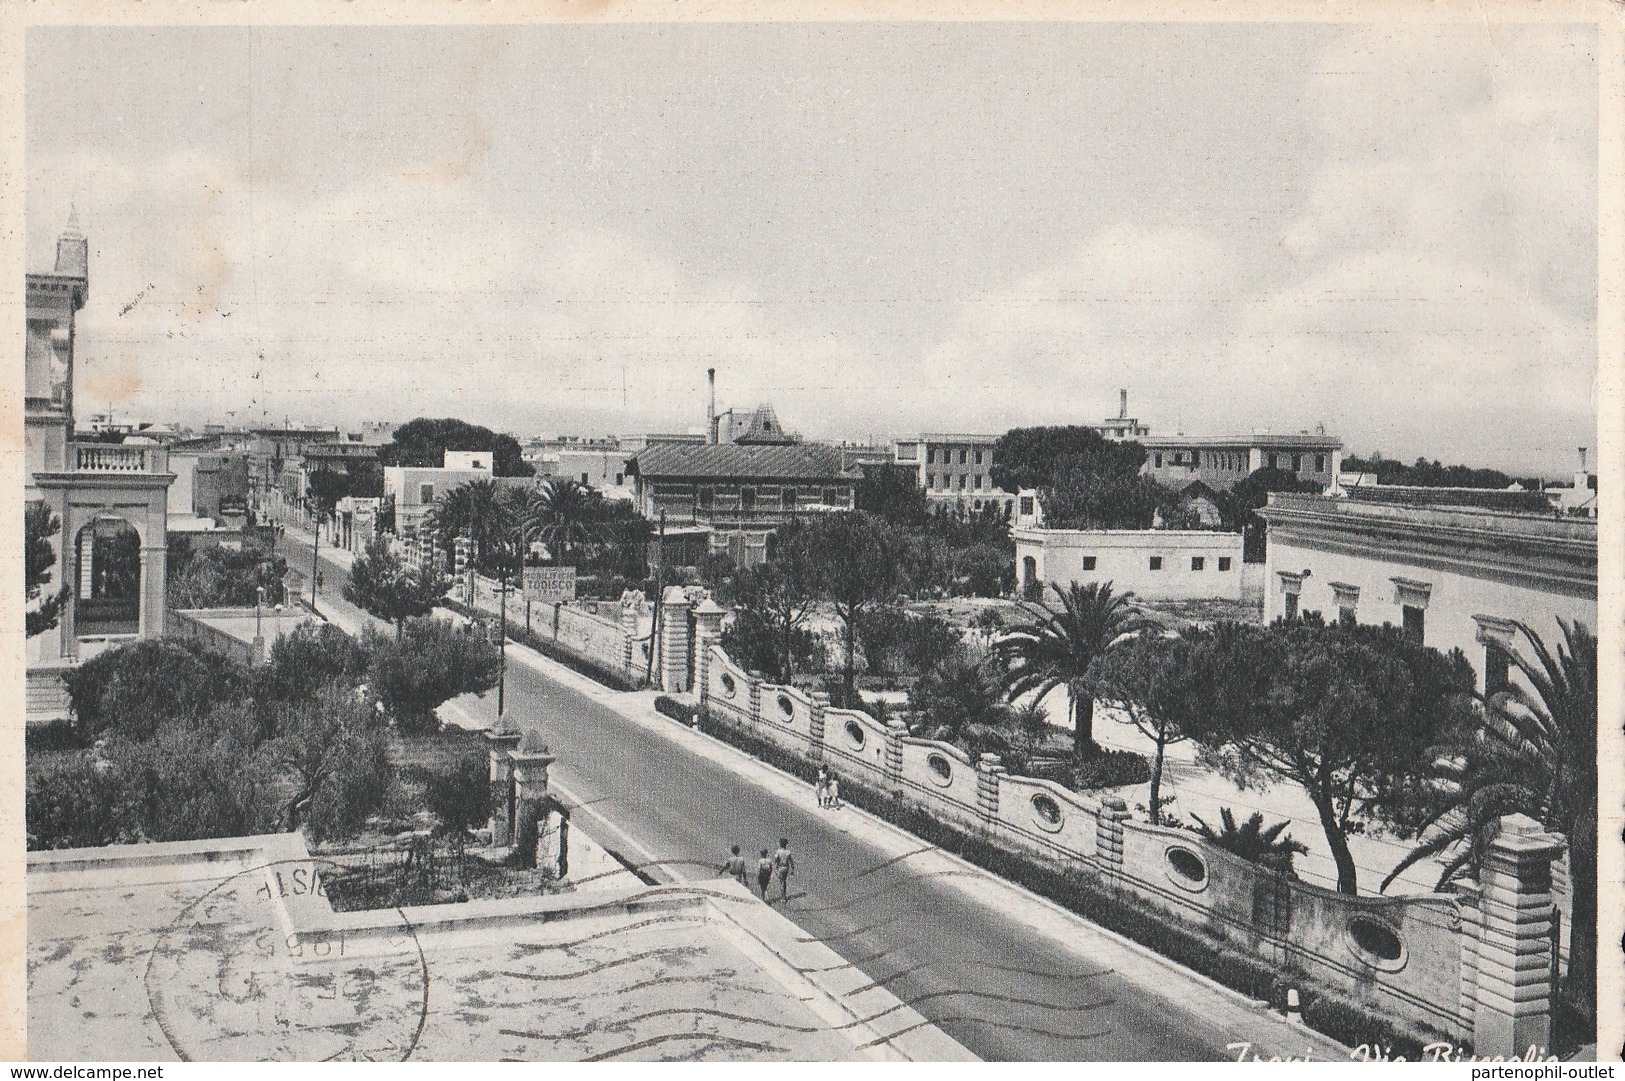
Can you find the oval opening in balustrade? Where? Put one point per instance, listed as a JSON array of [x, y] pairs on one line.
[[1377, 944], [786, 707], [942, 771], [1186, 868], [1046, 812], [854, 734], [729, 687]]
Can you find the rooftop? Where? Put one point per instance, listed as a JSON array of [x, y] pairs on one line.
[[1256, 439], [223, 950], [1545, 527], [801, 461]]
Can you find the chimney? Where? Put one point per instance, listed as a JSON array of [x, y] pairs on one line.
[[1122, 404], [711, 404]]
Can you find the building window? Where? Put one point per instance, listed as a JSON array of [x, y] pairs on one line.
[[930, 480], [1297, 463], [832, 496], [1156, 563], [1088, 563], [1198, 563], [1347, 599], [1289, 602], [930, 455], [1273, 462], [620, 479], [1413, 617], [1320, 463], [1026, 504], [976, 482], [583, 480], [1497, 668], [962, 456], [961, 482], [707, 497], [1031, 588], [1159, 461], [788, 499], [747, 499], [1224, 563], [425, 493]]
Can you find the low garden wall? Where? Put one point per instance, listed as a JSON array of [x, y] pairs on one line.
[[604, 643], [1418, 958]]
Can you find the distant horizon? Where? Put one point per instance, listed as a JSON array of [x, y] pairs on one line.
[[881, 228]]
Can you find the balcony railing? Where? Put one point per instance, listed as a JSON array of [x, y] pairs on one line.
[[119, 458]]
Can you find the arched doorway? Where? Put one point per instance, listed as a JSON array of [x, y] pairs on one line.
[[1031, 588], [107, 593]]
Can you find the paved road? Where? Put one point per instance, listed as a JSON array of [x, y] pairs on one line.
[[987, 980]]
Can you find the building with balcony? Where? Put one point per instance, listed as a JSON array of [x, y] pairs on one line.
[[109, 498], [1220, 461], [1455, 577], [740, 491]]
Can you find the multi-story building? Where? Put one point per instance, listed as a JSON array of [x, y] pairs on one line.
[[955, 470], [416, 488], [1220, 461], [598, 463], [1455, 577], [110, 499]]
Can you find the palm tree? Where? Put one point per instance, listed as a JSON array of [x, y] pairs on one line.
[[1532, 750], [561, 514], [1060, 649], [478, 511], [1253, 841]]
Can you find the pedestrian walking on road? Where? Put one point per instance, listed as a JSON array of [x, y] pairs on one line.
[[821, 786], [834, 792], [735, 865], [764, 874], [784, 866]]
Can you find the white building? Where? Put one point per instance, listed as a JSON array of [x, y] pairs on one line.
[[1455, 577], [954, 470], [1156, 564], [416, 488]]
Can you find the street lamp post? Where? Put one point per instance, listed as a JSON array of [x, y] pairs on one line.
[[259, 602]]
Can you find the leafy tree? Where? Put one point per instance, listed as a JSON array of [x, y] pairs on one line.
[[854, 563], [619, 544], [893, 494], [432, 662], [424, 442], [899, 642], [39, 526], [985, 570], [304, 663], [1059, 649], [781, 594], [1529, 750], [1082, 496], [459, 795], [562, 515], [1344, 712], [1238, 507], [385, 586], [1033, 457], [218, 577], [136, 689], [1426, 474], [1147, 678], [334, 759], [1253, 841]]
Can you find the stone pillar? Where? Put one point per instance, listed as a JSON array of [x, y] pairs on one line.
[[756, 679], [673, 645], [815, 723], [893, 760], [1513, 1011], [500, 745], [154, 558], [988, 772], [530, 762], [1470, 896], [708, 616], [1109, 838]]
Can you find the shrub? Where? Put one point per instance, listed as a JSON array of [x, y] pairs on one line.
[[303, 662], [459, 794], [138, 688], [1111, 769], [71, 803], [675, 709], [218, 577]]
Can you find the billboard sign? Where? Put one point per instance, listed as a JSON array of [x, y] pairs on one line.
[[550, 585]]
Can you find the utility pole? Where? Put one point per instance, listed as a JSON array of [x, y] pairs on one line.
[[660, 574], [315, 547], [502, 639]]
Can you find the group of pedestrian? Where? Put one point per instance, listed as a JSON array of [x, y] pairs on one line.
[[828, 789], [769, 868]]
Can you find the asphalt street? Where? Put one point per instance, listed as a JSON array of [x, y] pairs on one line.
[[984, 978]]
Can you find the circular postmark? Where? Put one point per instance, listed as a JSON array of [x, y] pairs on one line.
[[235, 977]]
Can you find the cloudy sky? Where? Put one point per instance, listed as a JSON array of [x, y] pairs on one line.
[[882, 228]]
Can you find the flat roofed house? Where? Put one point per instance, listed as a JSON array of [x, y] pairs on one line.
[[955, 470], [1221, 461], [1455, 577], [1155, 564]]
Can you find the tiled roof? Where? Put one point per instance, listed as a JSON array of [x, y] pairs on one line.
[[799, 461]]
